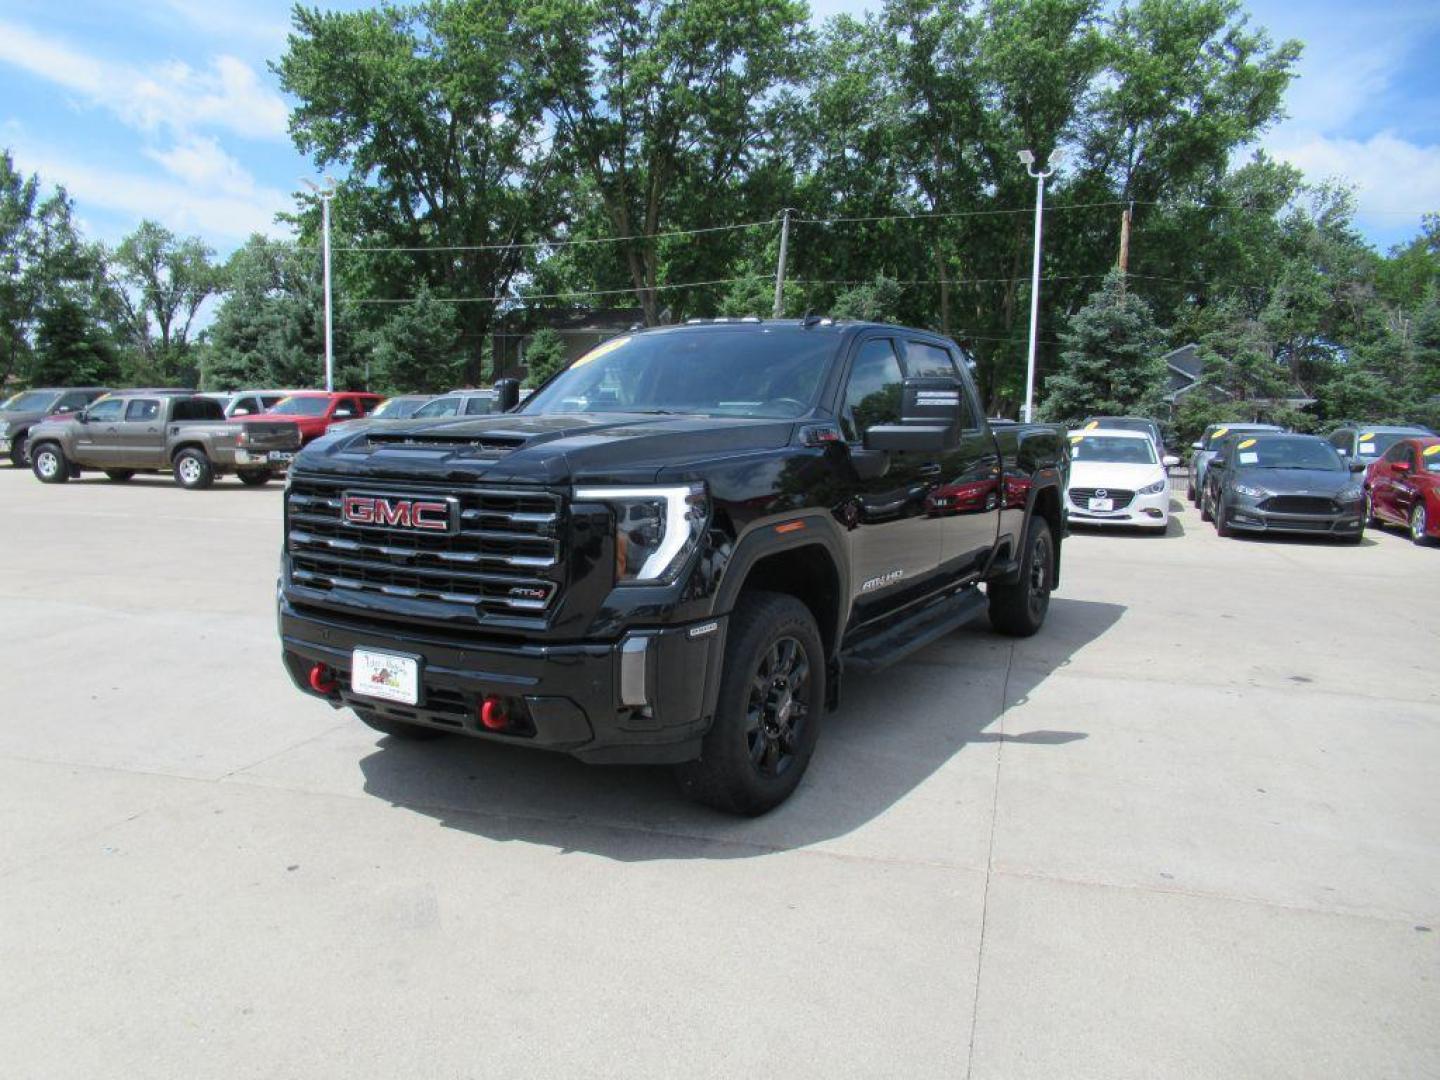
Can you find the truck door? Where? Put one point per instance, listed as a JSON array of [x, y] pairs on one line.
[[96, 440], [894, 543], [967, 498], [140, 435]]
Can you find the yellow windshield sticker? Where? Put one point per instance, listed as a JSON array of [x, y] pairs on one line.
[[1219, 432], [1431, 451], [601, 349], [1092, 425], [1247, 444], [1369, 436], [1078, 439]]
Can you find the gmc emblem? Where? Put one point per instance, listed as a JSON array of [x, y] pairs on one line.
[[429, 515]]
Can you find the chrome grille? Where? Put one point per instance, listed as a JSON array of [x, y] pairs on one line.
[[1081, 497], [504, 558]]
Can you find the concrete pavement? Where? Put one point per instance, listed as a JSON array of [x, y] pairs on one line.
[[1190, 830]]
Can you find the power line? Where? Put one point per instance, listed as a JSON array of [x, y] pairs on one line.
[[533, 244]]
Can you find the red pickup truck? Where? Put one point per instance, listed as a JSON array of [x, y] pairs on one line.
[[313, 411]]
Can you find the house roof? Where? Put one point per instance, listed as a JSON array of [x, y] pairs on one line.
[[1186, 361]]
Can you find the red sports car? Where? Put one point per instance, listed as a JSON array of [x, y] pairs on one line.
[[1403, 487]]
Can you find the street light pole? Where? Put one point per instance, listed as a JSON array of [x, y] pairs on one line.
[[326, 194], [1027, 158]]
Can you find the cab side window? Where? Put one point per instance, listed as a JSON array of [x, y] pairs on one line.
[[69, 403], [479, 406], [106, 410], [141, 410], [1340, 440], [446, 406], [1399, 452], [873, 393], [367, 405]]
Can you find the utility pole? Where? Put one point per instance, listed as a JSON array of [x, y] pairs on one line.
[[1027, 158], [780, 266], [326, 194], [1125, 218]]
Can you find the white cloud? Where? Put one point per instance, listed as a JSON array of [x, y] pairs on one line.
[[1395, 180], [170, 96], [211, 197]]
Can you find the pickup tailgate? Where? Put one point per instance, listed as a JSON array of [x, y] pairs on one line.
[[270, 435]]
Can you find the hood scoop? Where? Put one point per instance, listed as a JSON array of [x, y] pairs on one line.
[[437, 442]]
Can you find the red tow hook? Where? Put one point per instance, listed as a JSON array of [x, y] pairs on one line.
[[493, 714], [322, 680]]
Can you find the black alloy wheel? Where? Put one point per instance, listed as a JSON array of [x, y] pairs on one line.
[[779, 707]]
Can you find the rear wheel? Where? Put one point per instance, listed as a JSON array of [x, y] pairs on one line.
[[119, 475], [398, 728], [1418, 524], [767, 718], [49, 464], [255, 477], [193, 470], [1205, 507], [1018, 608]]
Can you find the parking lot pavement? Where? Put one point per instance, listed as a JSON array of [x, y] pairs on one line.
[[1192, 829]]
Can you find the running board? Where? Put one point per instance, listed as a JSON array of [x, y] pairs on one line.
[[931, 623]]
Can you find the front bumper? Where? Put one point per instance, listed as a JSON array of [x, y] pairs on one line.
[[646, 699], [1149, 511], [270, 459], [1250, 518]]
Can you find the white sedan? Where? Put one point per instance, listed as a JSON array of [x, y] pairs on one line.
[[1116, 478]]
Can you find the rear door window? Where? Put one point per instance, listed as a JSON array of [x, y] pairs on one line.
[[873, 393], [141, 410]]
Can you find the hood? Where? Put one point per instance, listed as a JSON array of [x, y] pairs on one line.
[[516, 448], [1092, 474], [1298, 481], [23, 416]]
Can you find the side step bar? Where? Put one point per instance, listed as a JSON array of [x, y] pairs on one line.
[[931, 623]]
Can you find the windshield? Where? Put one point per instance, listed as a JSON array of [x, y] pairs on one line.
[[302, 406], [1375, 443], [1296, 453], [31, 401], [772, 372], [397, 408], [1115, 449], [1118, 423], [1430, 458], [1212, 441]]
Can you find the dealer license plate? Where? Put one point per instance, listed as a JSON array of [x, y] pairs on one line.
[[1102, 505], [384, 675], [281, 455]]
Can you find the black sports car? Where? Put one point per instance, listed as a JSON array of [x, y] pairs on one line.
[[1283, 483]]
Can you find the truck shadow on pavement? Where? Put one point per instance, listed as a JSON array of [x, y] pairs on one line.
[[894, 732]]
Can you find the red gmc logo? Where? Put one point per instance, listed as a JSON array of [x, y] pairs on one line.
[[432, 515]]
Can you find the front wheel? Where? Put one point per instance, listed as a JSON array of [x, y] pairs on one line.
[[1371, 518], [49, 464], [1205, 514], [193, 470], [19, 458], [1018, 608], [255, 477], [1222, 521], [1419, 524], [767, 718]]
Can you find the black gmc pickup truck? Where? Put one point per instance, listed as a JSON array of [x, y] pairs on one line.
[[673, 551]]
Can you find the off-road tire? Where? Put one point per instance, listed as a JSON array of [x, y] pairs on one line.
[[760, 745], [119, 475], [1018, 608], [193, 470], [255, 477], [47, 462]]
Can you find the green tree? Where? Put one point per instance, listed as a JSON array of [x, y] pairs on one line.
[[1111, 358], [661, 106], [544, 356], [444, 145], [161, 282], [875, 301], [269, 327], [417, 347], [18, 196]]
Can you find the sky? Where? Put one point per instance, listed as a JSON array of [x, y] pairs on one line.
[[165, 109]]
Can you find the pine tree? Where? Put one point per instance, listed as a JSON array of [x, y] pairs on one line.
[[544, 356], [1111, 362]]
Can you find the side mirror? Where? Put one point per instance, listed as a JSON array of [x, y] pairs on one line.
[[1218, 464], [1170, 461], [929, 417], [507, 395], [242, 411], [1197, 446], [1398, 466], [82, 416]]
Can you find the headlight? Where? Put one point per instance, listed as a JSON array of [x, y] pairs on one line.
[[1352, 493], [655, 528], [1251, 492], [1152, 489]]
